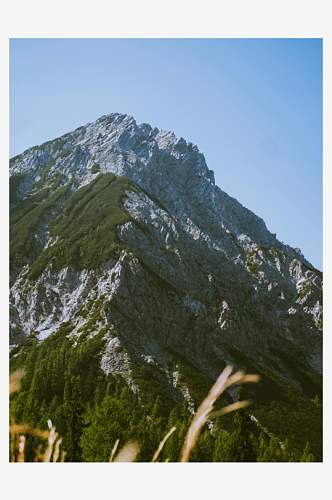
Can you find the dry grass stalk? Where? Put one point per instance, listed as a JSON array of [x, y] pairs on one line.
[[155, 456], [15, 381], [38, 455], [128, 453], [206, 407], [20, 457], [250, 379], [12, 453], [27, 429], [57, 450], [114, 450], [202, 413], [16, 429], [229, 408], [52, 437]]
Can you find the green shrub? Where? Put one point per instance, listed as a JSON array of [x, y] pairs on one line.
[[320, 323], [14, 159], [58, 145], [67, 152], [253, 265], [14, 183], [95, 168], [305, 291], [25, 218]]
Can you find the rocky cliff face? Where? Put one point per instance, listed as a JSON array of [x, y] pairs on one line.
[[120, 227]]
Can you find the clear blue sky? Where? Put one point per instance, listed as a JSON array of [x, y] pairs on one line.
[[252, 106]]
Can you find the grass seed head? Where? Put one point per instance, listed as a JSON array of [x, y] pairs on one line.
[[128, 453], [205, 410], [155, 456], [15, 381]]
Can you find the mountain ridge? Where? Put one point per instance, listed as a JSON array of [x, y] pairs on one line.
[[220, 279], [161, 144]]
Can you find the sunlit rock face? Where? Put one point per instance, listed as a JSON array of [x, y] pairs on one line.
[[186, 268]]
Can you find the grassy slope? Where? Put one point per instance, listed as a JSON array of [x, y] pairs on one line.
[[85, 228]]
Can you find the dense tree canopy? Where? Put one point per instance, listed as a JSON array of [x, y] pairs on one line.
[[63, 382]]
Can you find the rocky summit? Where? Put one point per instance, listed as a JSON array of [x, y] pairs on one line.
[[119, 230]]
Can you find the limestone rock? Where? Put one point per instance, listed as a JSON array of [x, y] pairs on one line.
[[198, 273]]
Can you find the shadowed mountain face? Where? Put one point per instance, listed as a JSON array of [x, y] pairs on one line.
[[120, 228]]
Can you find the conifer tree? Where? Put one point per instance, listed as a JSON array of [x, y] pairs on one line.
[[270, 453], [220, 447], [73, 413], [174, 416], [307, 455], [68, 387], [318, 401], [203, 449], [287, 454], [262, 447], [158, 409], [240, 446]]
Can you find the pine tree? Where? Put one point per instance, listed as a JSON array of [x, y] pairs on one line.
[[158, 409], [262, 447], [270, 453], [174, 416], [240, 446], [318, 401], [221, 447], [184, 410], [307, 455], [109, 422], [287, 453], [203, 449], [39, 388], [73, 413], [68, 387]]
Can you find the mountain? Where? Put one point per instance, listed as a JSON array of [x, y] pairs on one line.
[[119, 232]]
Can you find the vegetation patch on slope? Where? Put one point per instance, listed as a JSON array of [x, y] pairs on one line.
[[58, 146], [95, 168], [305, 290], [86, 226], [150, 389], [253, 264], [283, 410], [14, 182], [25, 218], [199, 385]]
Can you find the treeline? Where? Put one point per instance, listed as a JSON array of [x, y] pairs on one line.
[[63, 382]]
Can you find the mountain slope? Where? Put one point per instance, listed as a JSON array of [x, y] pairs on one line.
[[120, 229]]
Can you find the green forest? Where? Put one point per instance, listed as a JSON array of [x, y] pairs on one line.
[[63, 382]]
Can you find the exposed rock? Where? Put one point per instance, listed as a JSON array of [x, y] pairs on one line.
[[205, 277]]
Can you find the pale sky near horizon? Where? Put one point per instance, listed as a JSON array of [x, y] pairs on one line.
[[252, 106]]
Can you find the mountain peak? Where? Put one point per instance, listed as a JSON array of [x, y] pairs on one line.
[[129, 217]]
